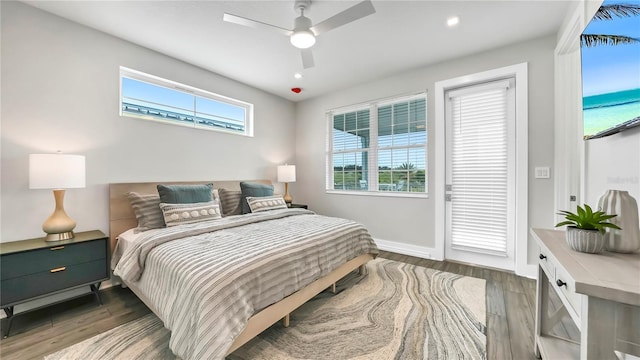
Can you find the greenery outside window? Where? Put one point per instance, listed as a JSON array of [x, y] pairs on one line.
[[379, 147], [152, 98]]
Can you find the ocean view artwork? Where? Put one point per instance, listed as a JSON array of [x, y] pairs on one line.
[[610, 47]]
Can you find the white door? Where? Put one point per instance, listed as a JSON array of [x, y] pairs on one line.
[[480, 174]]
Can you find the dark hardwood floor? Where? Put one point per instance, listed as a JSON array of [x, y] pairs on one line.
[[510, 316]]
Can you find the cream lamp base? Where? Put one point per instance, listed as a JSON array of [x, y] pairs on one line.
[[59, 225], [287, 198]]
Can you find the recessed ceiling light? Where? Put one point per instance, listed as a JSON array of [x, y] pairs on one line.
[[453, 21], [297, 76]]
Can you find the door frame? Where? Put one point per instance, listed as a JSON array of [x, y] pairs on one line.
[[520, 73]]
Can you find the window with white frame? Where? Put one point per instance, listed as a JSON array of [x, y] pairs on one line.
[[379, 147], [153, 98]]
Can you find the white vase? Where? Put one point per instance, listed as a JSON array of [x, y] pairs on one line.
[[625, 206]]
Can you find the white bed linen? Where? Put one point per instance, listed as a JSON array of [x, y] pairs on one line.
[[125, 241], [206, 286]]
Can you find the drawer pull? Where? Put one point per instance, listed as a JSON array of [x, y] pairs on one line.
[[57, 248], [542, 257], [561, 283], [62, 268]]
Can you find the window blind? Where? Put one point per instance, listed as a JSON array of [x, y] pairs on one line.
[[479, 168], [379, 147]]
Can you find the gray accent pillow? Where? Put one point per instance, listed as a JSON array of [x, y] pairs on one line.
[[253, 190], [146, 207], [266, 203], [185, 194], [230, 202], [178, 214]]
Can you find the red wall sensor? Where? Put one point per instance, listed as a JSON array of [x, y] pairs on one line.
[[296, 90]]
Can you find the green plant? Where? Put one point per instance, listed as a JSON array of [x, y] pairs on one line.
[[587, 219]]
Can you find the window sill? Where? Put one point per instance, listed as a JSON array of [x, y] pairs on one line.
[[380, 194]]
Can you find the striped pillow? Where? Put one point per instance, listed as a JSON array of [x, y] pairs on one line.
[[146, 207], [230, 202], [178, 214], [266, 203]]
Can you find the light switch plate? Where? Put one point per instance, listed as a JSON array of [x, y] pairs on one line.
[[542, 172]]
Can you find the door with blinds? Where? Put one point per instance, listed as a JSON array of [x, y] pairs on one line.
[[480, 179]]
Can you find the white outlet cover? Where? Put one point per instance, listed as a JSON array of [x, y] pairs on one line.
[[542, 172]]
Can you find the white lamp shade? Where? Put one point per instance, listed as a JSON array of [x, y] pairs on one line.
[[286, 173], [56, 171]]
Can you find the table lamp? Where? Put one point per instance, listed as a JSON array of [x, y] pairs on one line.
[[57, 172], [287, 174]]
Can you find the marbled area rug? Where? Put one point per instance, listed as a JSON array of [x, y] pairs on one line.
[[397, 311]]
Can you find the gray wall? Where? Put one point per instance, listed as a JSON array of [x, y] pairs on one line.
[[60, 92], [411, 220]]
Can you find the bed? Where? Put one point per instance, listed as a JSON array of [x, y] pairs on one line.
[[218, 284]]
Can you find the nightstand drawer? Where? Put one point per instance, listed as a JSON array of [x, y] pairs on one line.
[[567, 292], [54, 279], [32, 262], [547, 262]]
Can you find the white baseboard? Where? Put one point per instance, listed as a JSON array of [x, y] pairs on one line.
[[530, 271], [405, 249]]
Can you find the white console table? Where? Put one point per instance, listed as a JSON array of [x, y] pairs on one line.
[[600, 292]]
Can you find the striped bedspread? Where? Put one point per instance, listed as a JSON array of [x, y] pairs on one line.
[[207, 279]]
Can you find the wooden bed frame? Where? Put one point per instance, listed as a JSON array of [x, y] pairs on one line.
[[122, 218]]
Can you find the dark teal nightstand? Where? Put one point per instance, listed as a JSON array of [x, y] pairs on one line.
[[300, 206], [32, 269]]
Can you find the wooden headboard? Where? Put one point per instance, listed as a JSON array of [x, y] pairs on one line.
[[121, 216]]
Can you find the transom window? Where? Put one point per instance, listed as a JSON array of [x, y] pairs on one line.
[[379, 147], [152, 98]]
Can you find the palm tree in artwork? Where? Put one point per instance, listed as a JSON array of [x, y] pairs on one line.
[[608, 12]]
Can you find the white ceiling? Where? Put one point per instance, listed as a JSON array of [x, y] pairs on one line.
[[401, 35]]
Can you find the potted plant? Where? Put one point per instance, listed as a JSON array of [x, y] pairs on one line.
[[586, 229]]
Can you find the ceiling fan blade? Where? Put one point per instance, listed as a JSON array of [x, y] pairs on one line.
[[307, 58], [353, 13], [255, 24]]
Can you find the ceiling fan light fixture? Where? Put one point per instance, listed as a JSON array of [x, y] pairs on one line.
[[303, 35], [303, 39]]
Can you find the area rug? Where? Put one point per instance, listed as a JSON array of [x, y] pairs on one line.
[[396, 311]]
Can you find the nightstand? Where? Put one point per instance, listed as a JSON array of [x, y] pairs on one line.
[[32, 269], [599, 293], [300, 206]]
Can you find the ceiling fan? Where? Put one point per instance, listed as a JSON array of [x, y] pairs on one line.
[[303, 35]]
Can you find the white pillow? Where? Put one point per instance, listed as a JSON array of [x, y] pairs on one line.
[[178, 214], [266, 203]]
